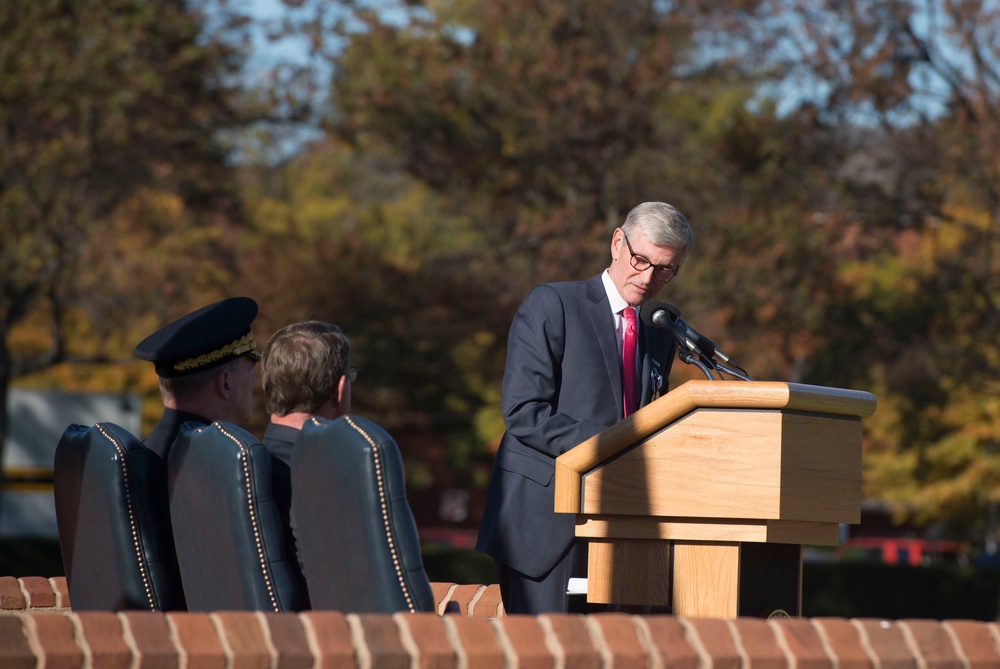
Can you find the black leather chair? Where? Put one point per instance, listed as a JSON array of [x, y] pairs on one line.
[[113, 520], [355, 533], [227, 529]]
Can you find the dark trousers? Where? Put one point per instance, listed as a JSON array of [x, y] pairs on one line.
[[547, 593]]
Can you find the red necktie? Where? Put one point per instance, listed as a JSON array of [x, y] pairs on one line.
[[630, 392]]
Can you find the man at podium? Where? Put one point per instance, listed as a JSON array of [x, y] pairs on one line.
[[578, 360]]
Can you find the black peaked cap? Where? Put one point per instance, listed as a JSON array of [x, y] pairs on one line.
[[205, 338]]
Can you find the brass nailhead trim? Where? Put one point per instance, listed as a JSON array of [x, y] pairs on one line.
[[384, 507], [130, 504], [265, 572]]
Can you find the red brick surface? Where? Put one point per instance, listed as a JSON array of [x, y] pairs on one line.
[[11, 597], [245, 642], [54, 636], [526, 640], [802, 642], [574, 642], [489, 604], [619, 638], [476, 642], [150, 632], [15, 651], [61, 591], [442, 594], [103, 637], [288, 638], [886, 642], [40, 592], [429, 640], [331, 637], [669, 638], [198, 639], [757, 640], [382, 640], [714, 638], [38, 630], [844, 642], [932, 644], [974, 640]]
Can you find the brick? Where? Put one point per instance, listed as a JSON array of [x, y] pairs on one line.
[[243, 639], [476, 641], [669, 638], [802, 642], [103, 635], [489, 604], [572, 635], [55, 636], [759, 642], [526, 641], [11, 597], [619, 638], [428, 634], [196, 635], [381, 640], [715, 640], [464, 595], [442, 595], [15, 651], [844, 643], [331, 636], [61, 590], [934, 646], [288, 636], [40, 593], [978, 647], [151, 634], [886, 641]]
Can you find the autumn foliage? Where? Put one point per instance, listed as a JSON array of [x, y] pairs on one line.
[[839, 166]]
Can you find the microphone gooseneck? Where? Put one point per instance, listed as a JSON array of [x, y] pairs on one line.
[[693, 347]]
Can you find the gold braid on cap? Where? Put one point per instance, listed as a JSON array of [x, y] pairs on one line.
[[238, 347]]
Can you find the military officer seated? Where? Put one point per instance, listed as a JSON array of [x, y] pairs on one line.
[[205, 362]]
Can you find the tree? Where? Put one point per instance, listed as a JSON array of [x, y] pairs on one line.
[[99, 99], [527, 113], [919, 305]]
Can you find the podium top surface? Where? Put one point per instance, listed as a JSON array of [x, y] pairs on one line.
[[693, 395]]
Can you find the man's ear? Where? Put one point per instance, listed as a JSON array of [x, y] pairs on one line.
[[341, 384], [223, 383]]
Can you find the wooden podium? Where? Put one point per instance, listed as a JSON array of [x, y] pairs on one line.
[[702, 500]]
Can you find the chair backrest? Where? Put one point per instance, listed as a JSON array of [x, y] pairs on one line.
[[227, 529], [113, 520], [356, 536]]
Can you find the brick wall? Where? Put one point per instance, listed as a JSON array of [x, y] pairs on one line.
[[478, 635]]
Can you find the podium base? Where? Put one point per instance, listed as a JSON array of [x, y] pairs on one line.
[[727, 580]]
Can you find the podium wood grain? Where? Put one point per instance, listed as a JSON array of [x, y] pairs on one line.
[[738, 476]]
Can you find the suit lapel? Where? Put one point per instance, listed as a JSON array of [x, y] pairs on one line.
[[604, 333]]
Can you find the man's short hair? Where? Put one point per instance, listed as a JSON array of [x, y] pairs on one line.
[[188, 386], [662, 225], [301, 365]]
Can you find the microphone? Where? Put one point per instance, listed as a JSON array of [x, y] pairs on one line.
[[668, 317]]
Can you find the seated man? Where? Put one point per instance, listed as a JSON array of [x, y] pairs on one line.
[[305, 372], [205, 362]]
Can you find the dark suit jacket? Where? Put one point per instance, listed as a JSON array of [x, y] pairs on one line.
[[561, 386], [279, 440]]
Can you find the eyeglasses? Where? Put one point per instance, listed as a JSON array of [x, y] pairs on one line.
[[353, 374], [641, 264]]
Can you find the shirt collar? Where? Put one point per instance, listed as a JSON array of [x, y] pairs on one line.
[[615, 299]]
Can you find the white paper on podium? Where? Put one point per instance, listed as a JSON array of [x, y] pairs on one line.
[[577, 586]]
